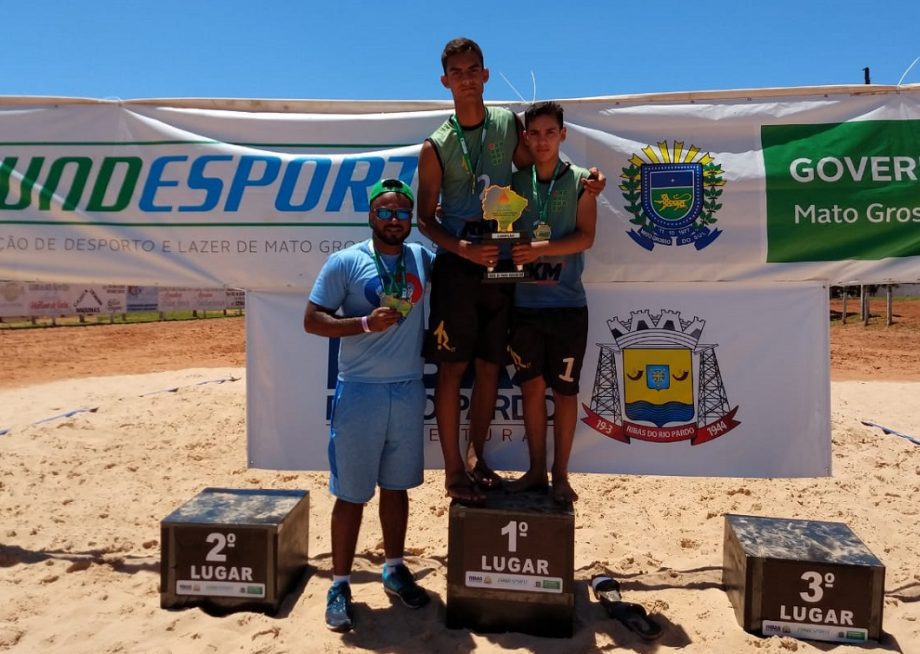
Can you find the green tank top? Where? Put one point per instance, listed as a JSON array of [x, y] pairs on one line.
[[461, 201], [560, 276]]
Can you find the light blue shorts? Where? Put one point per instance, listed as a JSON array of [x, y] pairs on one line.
[[376, 438]]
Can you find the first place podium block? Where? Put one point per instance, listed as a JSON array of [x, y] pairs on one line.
[[511, 566], [234, 548], [802, 578]]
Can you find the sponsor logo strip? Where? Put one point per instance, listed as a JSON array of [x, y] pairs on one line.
[[815, 632], [220, 589], [502, 581]]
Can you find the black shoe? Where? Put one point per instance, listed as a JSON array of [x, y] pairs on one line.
[[632, 616], [400, 582], [339, 614]]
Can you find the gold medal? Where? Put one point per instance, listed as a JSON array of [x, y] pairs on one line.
[[401, 304]]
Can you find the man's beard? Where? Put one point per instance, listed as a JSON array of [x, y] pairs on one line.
[[390, 239]]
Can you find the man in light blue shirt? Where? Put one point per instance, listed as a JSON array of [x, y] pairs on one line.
[[371, 296]]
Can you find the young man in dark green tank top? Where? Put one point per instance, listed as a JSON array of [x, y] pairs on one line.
[[469, 320], [549, 325]]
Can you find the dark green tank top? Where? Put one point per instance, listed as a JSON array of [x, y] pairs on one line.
[[461, 201]]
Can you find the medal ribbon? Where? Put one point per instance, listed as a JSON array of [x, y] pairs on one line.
[[464, 146], [543, 202], [397, 285]]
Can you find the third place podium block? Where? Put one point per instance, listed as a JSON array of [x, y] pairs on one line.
[[802, 578]]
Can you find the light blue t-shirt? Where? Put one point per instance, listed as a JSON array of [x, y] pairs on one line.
[[349, 282]]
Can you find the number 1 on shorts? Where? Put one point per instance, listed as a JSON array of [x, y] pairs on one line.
[[569, 364]]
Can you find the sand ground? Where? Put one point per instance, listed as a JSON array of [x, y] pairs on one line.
[[82, 496]]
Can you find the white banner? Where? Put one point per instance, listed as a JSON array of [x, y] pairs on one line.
[[777, 184], [785, 187], [187, 299], [160, 196], [236, 298], [14, 300], [766, 186], [679, 379], [143, 299], [43, 299], [47, 300]]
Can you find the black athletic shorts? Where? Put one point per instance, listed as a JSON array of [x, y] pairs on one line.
[[549, 342], [468, 318]]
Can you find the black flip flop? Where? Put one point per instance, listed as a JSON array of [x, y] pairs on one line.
[[630, 615]]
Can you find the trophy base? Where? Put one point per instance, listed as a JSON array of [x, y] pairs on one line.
[[505, 272]]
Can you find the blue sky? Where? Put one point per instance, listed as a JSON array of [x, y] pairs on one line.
[[390, 50]]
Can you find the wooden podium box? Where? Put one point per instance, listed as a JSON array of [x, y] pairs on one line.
[[234, 548], [802, 578], [511, 566]]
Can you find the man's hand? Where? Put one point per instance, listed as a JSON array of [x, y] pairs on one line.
[[596, 182], [484, 254], [524, 253], [382, 318]]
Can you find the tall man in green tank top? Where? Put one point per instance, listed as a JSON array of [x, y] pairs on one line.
[[472, 150]]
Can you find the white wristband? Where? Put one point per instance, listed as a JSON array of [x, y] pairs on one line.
[[364, 324]]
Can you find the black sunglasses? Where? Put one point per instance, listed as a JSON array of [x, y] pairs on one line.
[[388, 214]]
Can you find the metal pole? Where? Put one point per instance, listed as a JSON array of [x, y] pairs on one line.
[[862, 302], [888, 306], [846, 294]]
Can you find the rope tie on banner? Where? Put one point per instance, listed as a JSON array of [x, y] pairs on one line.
[[898, 85], [67, 414], [174, 389], [888, 430], [73, 412]]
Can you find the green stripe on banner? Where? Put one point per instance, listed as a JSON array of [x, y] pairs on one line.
[[59, 223], [842, 190], [360, 146], [105, 143]]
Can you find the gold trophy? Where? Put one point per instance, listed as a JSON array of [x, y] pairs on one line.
[[504, 206]]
